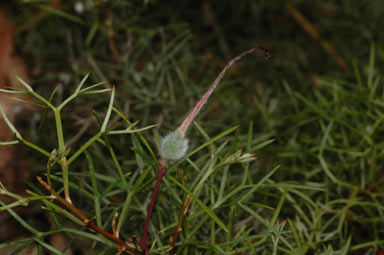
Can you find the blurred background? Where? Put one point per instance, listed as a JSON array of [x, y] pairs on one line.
[[320, 95]]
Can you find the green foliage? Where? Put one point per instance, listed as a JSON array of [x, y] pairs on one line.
[[300, 174], [336, 139], [201, 189]]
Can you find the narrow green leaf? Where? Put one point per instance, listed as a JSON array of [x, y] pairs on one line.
[[9, 143], [140, 136], [87, 89], [261, 145], [29, 88], [22, 247], [278, 208], [82, 82], [371, 66], [49, 247], [95, 190], [21, 221], [30, 103], [200, 203], [265, 223], [257, 185], [9, 123], [109, 110], [63, 14], [129, 130], [13, 91], [99, 91], [11, 243]]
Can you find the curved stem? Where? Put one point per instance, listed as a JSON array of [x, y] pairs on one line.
[[184, 126]]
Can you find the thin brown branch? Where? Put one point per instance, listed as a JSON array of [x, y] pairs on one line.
[[183, 212], [87, 222], [313, 32], [115, 233]]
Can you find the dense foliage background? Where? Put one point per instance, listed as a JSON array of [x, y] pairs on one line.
[[320, 98]]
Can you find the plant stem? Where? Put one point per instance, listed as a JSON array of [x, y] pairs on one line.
[[162, 170], [184, 209], [64, 165], [87, 222], [184, 126], [59, 129]]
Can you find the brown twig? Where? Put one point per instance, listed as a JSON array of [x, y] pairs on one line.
[[115, 233], [312, 31], [183, 212], [87, 222]]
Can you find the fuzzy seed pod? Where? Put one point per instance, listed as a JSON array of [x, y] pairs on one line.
[[174, 146]]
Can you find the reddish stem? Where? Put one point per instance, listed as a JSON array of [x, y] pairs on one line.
[[162, 170], [184, 126]]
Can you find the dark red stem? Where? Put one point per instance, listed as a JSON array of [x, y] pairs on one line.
[[162, 170]]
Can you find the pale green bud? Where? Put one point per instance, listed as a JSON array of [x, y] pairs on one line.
[[174, 146]]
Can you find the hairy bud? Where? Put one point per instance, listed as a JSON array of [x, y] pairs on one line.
[[174, 146]]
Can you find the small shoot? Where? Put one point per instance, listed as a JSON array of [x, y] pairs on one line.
[[108, 115]]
